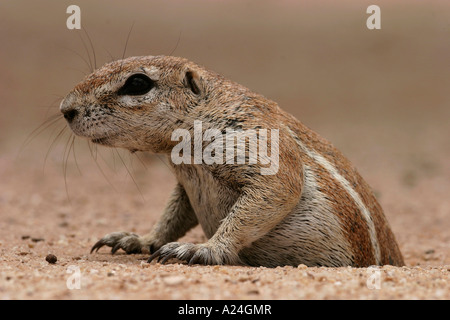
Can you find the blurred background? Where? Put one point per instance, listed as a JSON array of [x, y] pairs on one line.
[[381, 96]]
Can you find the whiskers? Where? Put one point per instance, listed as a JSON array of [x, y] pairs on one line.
[[90, 61], [108, 161], [73, 154], [51, 121]]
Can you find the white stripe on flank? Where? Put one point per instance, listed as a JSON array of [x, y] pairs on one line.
[[346, 185]]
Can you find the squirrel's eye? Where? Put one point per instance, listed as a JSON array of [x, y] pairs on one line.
[[136, 85]]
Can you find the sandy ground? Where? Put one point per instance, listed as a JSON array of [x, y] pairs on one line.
[[382, 99], [39, 220]]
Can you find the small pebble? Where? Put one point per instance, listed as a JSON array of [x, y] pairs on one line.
[[51, 258]]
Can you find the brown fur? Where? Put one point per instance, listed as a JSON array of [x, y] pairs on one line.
[[316, 209]]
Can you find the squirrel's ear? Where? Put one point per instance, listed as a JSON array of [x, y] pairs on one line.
[[192, 81]]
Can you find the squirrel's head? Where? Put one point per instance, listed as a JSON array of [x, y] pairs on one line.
[[134, 103]]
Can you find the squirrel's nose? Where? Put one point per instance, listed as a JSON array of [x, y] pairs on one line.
[[70, 114], [67, 108]]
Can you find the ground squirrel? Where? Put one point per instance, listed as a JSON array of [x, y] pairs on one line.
[[315, 209]]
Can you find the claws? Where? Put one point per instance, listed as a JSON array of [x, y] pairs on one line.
[[163, 254], [115, 248], [97, 246], [154, 255], [205, 254], [194, 260], [127, 241], [191, 253]]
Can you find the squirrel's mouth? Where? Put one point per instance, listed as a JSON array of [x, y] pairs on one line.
[[108, 142]]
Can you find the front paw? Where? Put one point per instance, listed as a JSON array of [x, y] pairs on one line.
[[192, 253], [127, 241]]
